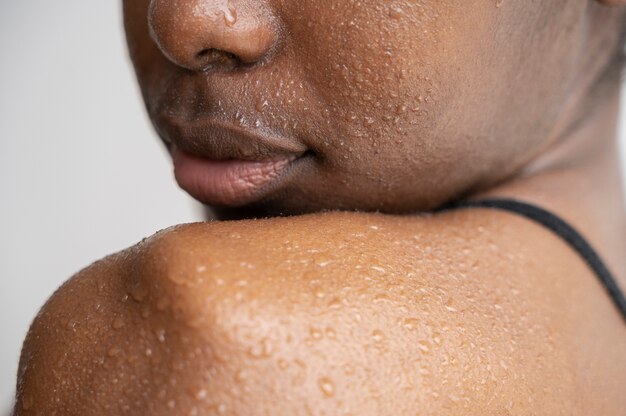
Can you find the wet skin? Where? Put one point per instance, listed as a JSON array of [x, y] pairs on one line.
[[294, 107], [396, 106]]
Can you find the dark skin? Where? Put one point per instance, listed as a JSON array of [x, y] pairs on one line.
[[473, 312]]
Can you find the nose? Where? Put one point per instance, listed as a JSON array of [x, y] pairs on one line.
[[200, 34]]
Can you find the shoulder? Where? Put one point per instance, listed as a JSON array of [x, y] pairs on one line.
[[467, 312]]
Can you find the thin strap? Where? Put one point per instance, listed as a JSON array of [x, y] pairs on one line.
[[563, 230]]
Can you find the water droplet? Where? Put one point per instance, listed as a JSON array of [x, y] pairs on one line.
[[396, 13], [261, 104], [178, 278], [201, 394], [378, 335], [423, 346], [315, 333], [113, 351], [261, 350], [327, 386], [139, 292], [162, 304], [240, 376], [160, 334], [71, 324], [118, 322], [101, 286], [330, 333], [230, 16], [171, 404], [201, 269], [380, 297], [410, 323], [450, 305], [27, 403], [350, 117]]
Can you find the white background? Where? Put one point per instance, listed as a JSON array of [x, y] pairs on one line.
[[81, 173]]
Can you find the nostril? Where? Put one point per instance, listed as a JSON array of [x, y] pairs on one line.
[[210, 57]]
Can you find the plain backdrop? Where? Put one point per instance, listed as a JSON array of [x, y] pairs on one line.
[[81, 172]]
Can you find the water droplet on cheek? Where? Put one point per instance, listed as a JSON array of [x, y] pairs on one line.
[[330, 333], [27, 403], [261, 104], [450, 307], [423, 346], [316, 333], [327, 386], [401, 109], [160, 334], [261, 350], [201, 394], [396, 13], [378, 335], [283, 364]]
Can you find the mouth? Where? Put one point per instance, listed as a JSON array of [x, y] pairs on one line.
[[223, 165], [229, 183]]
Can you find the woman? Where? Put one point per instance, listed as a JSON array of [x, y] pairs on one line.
[[387, 111]]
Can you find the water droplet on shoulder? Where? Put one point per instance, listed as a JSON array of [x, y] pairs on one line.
[[396, 13], [118, 322]]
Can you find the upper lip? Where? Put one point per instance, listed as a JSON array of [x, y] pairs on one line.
[[215, 139]]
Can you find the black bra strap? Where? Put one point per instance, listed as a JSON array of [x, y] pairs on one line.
[[563, 230]]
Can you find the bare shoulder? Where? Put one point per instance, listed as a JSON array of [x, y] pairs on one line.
[[467, 312]]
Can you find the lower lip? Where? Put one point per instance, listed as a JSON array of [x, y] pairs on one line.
[[227, 183]]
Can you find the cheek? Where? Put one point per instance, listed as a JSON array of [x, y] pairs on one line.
[[389, 77], [459, 92], [146, 57]]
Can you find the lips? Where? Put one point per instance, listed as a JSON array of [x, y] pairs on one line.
[[227, 182], [224, 165]]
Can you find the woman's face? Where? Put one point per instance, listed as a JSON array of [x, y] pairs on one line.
[[394, 105]]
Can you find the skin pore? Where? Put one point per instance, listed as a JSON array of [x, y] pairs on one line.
[[389, 106]]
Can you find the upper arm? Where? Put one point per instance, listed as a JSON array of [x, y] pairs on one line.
[[460, 313]]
